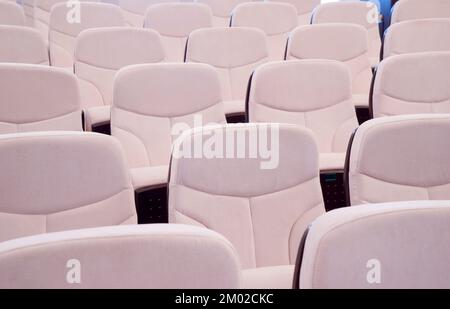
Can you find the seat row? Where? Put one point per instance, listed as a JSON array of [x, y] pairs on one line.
[[213, 46], [260, 199], [151, 100]]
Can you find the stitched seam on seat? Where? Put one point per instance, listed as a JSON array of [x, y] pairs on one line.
[[252, 196], [305, 111], [170, 116], [255, 257]]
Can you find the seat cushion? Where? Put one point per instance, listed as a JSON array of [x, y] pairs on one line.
[[361, 100], [234, 107], [274, 277], [332, 161], [149, 176], [96, 115]]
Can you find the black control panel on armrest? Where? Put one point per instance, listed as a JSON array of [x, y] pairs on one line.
[[103, 128], [363, 114], [333, 190], [237, 118], [152, 204]]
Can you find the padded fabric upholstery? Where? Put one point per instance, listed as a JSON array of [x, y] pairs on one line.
[[222, 10], [312, 93], [263, 212], [38, 98], [175, 21], [154, 103], [67, 180], [362, 13], [39, 11], [235, 53], [274, 277], [412, 84], [343, 42], [100, 53], [11, 14], [145, 256], [418, 9], [304, 9], [406, 244], [414, 36], [22, 45], [401, 158], [134, 10], [275, 19], [28, 7], [63, 35]]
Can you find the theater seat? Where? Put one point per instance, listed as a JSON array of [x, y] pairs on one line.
[[22, 45], [311, 93], [63, 34], [363, 13], [175, 21], [416, 36], [121, 257], [153, 104], [11, 14], [99, 54], [304, 9], [221, 10], [261, 201], [67, 180], [347, 43], [134, 10], [412, 84], [400, 158], [379, 246], [418, 9], [276, 20], [235, 53], [38, 98], [39, 12]]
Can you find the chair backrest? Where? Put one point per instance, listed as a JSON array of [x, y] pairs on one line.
[[22, 45], [101, 52], [312, 93], [262, 200], [343, 42], [381, 246], [152, 101], [400, 158], [175, 21], [418, 9], [162, 257], [29, 9], [67, 180], [363, 13], [38, 98], [304, 9], [134, 10], [222, 10], [235, 53], [415, 36], [11, 14], [275, 19], [63, 34], [39, 11], [412, 84]]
